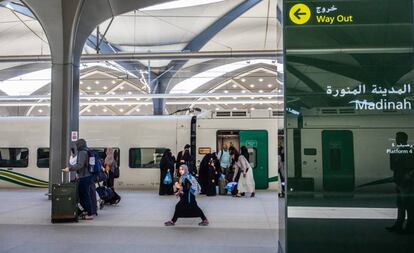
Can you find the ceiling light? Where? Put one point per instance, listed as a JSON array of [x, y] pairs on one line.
[[89, 110], [122, 99], [89, 99], [252, 109], [122, 87], [96, 82], [243, 80], [40, 110], [226, 91], [269, 85], [243, 91], [260, 79], [217, 109], [113, 92], [217, 98], [234, 109], [113, 82], [129, 92], [270, 108], [104, 110], [138, 99], [88, 88], [137, 110], [279, 90], [251, 85], [251, 98], [96, 93], [121, 110], [260, 91], [105, 88], [80, 82], [234, 86], [234, 97]]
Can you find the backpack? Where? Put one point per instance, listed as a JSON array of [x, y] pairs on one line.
[[95, 166], [195, 188]]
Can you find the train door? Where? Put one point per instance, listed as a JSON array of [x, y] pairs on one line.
[[338, 160], [256, 142]]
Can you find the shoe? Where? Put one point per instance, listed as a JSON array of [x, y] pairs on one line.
[[87, 217], [243, 194], [252, 195], [204, 223], [169, 223]]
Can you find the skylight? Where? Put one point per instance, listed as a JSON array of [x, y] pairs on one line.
[[202, 78], [26, 84], [179, 4]]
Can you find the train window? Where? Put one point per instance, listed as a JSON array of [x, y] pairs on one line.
[[145, 157], [309, 151], [101, 152], [14, 157], [43, 157], [252, 157]]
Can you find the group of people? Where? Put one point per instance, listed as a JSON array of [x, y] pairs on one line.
[[79, 163], [228, 165]]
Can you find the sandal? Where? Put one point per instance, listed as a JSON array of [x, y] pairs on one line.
[[169, 223], [204, 223]]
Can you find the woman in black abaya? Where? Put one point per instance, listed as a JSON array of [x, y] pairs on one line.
[[166, 166]]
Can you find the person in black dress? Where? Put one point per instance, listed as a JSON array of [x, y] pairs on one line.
[[187, 206], [203, 173], [166, 166], [212, 179]]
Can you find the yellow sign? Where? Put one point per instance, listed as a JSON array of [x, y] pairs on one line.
[[300, 14]]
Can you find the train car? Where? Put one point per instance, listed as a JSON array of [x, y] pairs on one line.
[[351, 155], [139, 143]]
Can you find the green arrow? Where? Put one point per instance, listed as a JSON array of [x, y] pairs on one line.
[[298, 13]]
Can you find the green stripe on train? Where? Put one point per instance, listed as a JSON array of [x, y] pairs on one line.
[[22, 178], [21, 183], [23, 175]]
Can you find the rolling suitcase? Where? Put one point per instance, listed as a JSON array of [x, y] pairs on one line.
[[64, 202]]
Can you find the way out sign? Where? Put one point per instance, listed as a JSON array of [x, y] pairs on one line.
[[74, 136]]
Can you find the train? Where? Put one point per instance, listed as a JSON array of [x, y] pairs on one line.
[[343, 150], [140, 141]]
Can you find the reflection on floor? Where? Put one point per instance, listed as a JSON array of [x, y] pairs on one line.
[[342, 213], [136, 225], [345, 236]]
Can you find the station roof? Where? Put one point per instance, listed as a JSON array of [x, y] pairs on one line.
[[169, 27]]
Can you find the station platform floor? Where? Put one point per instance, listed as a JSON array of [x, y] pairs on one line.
[[136, 225]]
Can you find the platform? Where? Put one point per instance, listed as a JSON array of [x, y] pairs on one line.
[[136, 225]]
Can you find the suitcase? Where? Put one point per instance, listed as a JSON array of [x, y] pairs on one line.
[[64, 202], [221, 185]]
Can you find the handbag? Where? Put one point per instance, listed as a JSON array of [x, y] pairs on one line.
[[168, 178]]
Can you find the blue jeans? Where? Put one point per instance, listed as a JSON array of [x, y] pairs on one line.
[[84, 193]]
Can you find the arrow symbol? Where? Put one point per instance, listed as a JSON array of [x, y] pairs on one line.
[[298, 13]]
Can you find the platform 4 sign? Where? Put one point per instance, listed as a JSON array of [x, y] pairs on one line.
[[344, 13]]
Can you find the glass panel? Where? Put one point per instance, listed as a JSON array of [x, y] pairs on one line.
[[145, 157], [349, 84], [14, 157], [43, 157]]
